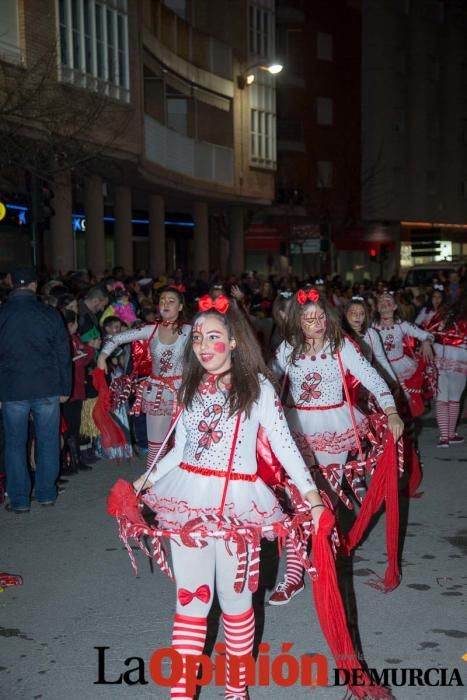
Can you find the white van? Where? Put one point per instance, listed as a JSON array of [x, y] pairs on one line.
[[420, 277]]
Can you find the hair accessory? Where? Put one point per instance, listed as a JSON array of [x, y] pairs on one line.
[[319, 281], [221, 304], [311, 295], [439, 287], [285, 294], [358, 299]]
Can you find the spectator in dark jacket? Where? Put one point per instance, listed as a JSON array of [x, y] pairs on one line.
[[35, 376]]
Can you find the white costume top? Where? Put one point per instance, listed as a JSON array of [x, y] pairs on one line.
[[424, 316], [186, 485], [451, 355], [319, 418], [393, 342], [373, 339], [167, 363]]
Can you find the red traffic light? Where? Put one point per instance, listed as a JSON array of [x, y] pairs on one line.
[[373, 253]]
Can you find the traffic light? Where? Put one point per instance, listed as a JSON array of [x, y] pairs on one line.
[[42, 195], [373, 255]]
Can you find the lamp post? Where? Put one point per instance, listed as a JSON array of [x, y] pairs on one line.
[[248, 76]]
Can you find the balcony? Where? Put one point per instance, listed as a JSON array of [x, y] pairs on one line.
[[196, 159], [182, 39]]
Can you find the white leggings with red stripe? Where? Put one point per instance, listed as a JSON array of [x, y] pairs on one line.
[[210, 568], [450, 388]]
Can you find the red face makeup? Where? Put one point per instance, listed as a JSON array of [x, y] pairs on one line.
[[211, 344]]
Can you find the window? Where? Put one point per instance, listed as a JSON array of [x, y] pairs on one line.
[[324, 111], [324, 47], [94, 45], [324, 180], [261, 28], [9, 38], [262, 136], [262, 93]]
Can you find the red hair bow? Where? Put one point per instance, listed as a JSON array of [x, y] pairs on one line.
[[311, 295], [203, 594], [221, 304]]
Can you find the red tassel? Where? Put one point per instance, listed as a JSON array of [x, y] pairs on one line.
[[383, 487], [122, 503], [331, 613], [414, 470], [111, 435]]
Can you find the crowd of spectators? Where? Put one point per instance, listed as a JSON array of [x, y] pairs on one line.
[[92, 308]]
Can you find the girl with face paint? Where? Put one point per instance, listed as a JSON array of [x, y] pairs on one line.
[[450, 328], [319, 419], [356, 325], [212, 472], [158, 393]]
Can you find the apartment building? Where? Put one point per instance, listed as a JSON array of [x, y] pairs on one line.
[[182, 145], [414, 114], [318, 186]]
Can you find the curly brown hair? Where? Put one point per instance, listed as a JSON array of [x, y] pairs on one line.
[[247, 363], [293, 329]]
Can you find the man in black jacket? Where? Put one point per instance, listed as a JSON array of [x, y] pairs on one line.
[[35, 376]]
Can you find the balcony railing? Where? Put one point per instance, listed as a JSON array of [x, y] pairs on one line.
[[196, 159]]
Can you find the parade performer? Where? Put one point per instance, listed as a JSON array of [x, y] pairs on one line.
[[451, 361], [157, 397], [226, 399], [315, 357], [431, 309], [393, 333], [410, 374], [356, 324]]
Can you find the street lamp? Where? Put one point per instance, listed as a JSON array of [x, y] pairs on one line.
[[248, 77]]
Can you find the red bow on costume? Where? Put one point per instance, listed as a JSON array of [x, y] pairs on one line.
[[203, 594], [311, 295], [221, 304]]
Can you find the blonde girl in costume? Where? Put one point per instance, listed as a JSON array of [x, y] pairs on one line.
[[315, 356]]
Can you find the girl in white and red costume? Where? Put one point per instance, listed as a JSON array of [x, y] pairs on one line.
[[167, 341], [226, 398], [409, 372], [315, 357], [451, 360], [393, 332], [429, 311], [356, 323]]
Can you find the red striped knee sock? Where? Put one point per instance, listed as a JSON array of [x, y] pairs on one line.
[[153, 449], [239, 633], [294, 568], [189, 636], [454, 409], [442, 418]]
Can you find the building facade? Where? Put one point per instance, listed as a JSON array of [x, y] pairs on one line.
[[414, 114], [318, 136], [173, 151]]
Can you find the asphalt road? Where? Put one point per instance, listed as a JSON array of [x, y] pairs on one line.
[[80, 593]]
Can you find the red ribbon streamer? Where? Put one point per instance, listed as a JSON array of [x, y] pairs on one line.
[[383, 488], [331, 613]]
